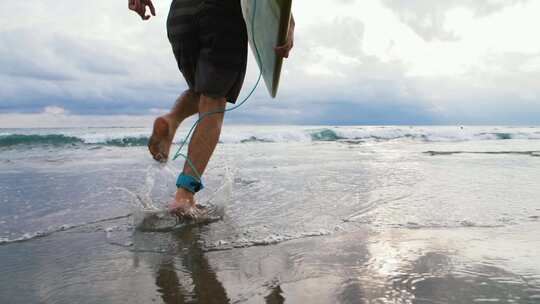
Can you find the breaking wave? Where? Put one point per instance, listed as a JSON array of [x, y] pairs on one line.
[[12, 140], [529, 153], [325, 135], [128, 141], [253, 135], [50, 139]]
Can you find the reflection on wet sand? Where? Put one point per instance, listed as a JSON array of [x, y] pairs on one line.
[[483, 283], [437, 266], [184, 257], [398, 266], [347, 268], [275, 296]]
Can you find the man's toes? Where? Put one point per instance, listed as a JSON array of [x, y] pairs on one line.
[[160, 157]]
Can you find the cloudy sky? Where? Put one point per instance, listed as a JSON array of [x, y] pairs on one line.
[[355, 62]]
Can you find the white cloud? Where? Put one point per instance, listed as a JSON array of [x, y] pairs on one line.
[[53, 110], [54, 120], [440, 58]]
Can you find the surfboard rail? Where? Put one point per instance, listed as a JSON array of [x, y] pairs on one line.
[[267, 28]]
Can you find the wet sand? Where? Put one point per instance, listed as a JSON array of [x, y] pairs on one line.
[[398, 266]]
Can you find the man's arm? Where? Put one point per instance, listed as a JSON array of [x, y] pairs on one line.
[[285, 49], [139, 6]]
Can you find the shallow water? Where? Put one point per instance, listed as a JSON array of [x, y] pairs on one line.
[[314, 214]]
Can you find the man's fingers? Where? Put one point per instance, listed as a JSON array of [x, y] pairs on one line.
[[139, 6], [284, 50], [151, 6], [140, 12], [136, 6], [280, 52]]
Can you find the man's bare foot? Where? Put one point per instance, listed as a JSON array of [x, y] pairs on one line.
[[184, 205], [162, 137]]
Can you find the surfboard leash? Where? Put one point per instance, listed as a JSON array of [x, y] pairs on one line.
[[189, 134]]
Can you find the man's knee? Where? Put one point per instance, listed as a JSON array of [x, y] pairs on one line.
[[207, 104], [190, 95]]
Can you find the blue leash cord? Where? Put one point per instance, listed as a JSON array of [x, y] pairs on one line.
[[183, 143]]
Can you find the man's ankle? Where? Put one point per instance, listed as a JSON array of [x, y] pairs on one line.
[[183, 194]]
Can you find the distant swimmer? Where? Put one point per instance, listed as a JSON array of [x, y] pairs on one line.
[[210, 43]]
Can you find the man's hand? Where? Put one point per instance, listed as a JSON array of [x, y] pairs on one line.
[[284, 50], [139, 6]]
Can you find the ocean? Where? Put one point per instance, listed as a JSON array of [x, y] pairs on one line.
[[314, 214]]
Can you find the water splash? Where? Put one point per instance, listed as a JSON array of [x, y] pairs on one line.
[[151, 217]]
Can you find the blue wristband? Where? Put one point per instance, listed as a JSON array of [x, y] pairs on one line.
[[189, 183]]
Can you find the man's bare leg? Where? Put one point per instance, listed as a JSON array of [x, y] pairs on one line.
[[165, 126], [201, 148]]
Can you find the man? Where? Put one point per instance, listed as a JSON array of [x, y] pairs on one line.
[[209, 42]]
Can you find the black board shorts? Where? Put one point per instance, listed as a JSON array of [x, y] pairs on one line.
[[210, 44]]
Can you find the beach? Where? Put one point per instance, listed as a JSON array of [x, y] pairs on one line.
[[314, 214]]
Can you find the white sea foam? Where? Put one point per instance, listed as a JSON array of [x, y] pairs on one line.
[[264, 241], [272, 134], [54, 229]]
